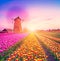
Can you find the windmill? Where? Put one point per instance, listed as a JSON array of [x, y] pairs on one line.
[[17, 25]]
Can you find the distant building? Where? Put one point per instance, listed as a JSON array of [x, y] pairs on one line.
[[6, 31], [17, 25]]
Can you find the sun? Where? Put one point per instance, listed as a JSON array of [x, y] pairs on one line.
[[31, 28]]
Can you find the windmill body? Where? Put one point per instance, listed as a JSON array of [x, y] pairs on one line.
[[17, 25]]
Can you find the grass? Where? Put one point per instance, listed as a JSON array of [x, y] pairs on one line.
[[54, 34]]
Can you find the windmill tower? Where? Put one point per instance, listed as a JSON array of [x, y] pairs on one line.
[[17, 25]]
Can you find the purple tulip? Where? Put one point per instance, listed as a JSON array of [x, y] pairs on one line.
[[7, 40]]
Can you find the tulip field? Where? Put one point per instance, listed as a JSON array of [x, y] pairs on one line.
[[7, 41], [34, 46]]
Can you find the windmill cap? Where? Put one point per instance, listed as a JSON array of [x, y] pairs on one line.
[[17, 18]]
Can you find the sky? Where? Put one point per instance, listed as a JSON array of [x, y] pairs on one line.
[[35, 14]]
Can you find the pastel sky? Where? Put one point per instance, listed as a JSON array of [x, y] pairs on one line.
[[35, 14]]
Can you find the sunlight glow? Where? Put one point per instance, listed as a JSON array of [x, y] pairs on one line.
[[31, 28]]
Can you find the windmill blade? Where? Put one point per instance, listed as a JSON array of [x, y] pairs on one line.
[[12, 20], [22, 20]]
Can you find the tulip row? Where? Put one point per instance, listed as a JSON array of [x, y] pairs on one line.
[[8, 40], [48, 35], [52, 45], [30, 50], [53, 38]]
